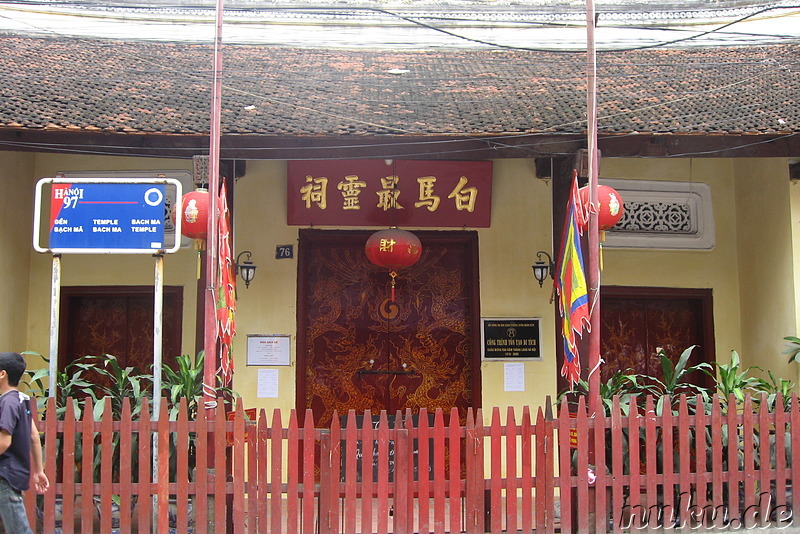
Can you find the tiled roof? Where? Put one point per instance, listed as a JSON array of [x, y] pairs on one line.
[[60, 84]]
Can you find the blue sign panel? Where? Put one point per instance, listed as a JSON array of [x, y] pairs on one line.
[[111, 216]]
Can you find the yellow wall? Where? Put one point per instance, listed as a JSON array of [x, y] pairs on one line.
[[764, 227], [751, 277], [715, 269], [16, 215]]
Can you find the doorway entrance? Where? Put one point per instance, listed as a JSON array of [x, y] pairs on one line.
[[358, 350], [637, 321], [118, 320]]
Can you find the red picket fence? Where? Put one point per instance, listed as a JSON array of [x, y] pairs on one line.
[[706, 469]]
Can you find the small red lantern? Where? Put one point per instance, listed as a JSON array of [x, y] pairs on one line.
[[609, 209], [194, 216], [393, 249]]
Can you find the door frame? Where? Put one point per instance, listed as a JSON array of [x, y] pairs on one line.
[[70, 292], [308, 236], [705, 296]]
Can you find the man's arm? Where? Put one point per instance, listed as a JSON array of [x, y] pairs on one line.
[[5, 440], [40, 481]]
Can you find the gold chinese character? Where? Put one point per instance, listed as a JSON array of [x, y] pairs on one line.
[[350, 189], [386, 245], [426, 196], [315, 191], [464, 196], [387, 197]]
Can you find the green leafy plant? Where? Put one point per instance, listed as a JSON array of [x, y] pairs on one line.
[[732, 380], [792, 348], [676, 382], [623, 384]]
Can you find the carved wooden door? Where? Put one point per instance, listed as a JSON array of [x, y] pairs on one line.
[[636, 322], [358, 350], [118, 320]]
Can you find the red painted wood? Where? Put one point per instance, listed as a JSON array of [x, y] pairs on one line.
[[734, 469], [748, 434], [367, 482], [163, 468], [565, 423], [456, 492], [454, 472], [496, 484], [549, 474], [408, 465], [541, 454], [107, 459], [686, 476], [383, 473], [351, 472], [69, 468], [293, 457], [220, 467], [582, 471], [668, 447], [794, 424], [87, 471], [334, 463], [238, 457], [403, 469], [600, 494], [182, 472], [276, 477], [702, 477], [781, 475], [251, 444], [716, 459], [439, 470], [475, 495], [634, 460], [617, 486], [201, 472], [512, 483], [50, 428], [526, 467], [424, 436], [125, 474], [309, 502], [766, 466]]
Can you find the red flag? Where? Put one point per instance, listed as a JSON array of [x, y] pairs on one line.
[[571, 285], [226, 296]]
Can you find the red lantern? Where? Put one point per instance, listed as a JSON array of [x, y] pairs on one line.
[[609, 209], [194, 216], [393, 248]]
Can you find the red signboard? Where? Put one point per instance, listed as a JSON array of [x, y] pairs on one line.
[[390, 193]]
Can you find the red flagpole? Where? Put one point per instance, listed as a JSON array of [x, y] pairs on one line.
[[593, 276], [212, 252]]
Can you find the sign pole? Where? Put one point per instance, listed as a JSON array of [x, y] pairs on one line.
[[55, 304], [595, 406], [210, 301]]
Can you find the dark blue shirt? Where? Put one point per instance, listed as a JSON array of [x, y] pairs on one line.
[[15, 418]]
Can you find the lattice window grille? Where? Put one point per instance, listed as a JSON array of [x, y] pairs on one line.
[[657, 217]]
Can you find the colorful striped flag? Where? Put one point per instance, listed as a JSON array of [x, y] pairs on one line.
[[571, 285], [226, 296]]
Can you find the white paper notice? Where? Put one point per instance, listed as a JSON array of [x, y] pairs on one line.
[[268, 383], [514, 376]]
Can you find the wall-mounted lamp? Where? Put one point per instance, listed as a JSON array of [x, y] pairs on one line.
[[245, 269], [541, 269]]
